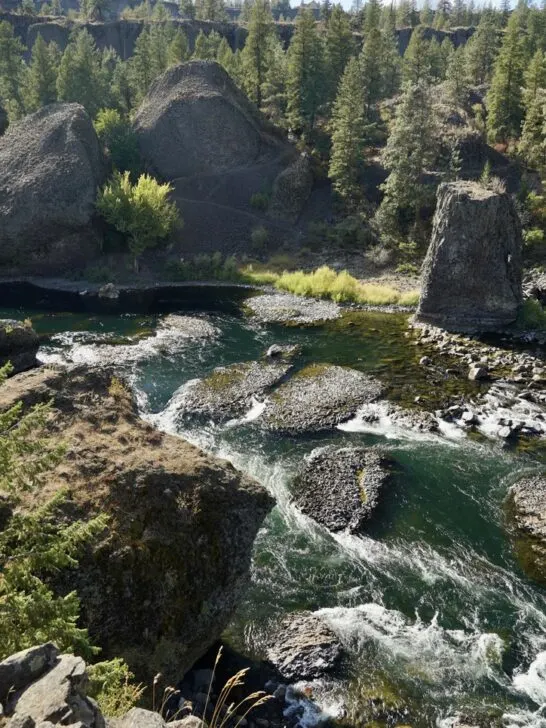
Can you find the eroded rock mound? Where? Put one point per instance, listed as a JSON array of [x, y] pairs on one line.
[[341, 488], [472, 271], [317, 398], [51, 167], [305, 648], [162, 584], [527, 499], [195, 120], [230, 391]]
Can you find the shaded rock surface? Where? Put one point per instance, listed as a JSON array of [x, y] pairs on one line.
[[4, 123], [318, 398], [22, 668], [527, 499], [472, 270], [341, 488], [291, 190], [305, 648], [194, 120], [51, 167], [19, 345], [175, 559], [230, 391], [272, 308]]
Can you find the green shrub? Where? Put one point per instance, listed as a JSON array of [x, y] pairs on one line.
[[140, 211], [407, 268], [111, 685], [99, 273], [117, 136], [205, 267], [532, 315], [532, 237], [259, 237], [259, 201]]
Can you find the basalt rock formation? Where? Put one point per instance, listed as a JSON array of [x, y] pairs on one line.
[[162, 583], [472, 271], [51, 167], [527, 505]]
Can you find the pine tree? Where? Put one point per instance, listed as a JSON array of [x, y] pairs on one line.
[[339, 47], [416, 64], [12, 70], [457, 84], [371, 70], [122, 87], [140, 71], [206, 46], [274, 102], [504, 99], [535, 77], [372, 16], [459, 13], [403, 14], [80, 77], [256, 56], [481, 51], [348, 135], [186, 8], [41, 85], [426, 15], [230, 61], [532, 144], [306, 89], [94, 9], [412, 146], [326, 10], [213, 10], [56, 8], [391, 64], [178, 51]]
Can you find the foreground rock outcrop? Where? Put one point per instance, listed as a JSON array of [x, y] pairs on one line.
[[19, 345], [51, 167], [161, 584], [527, 503], [341, 488], [472, 271]]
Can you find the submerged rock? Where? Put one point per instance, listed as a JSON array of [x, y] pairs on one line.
[[340, 488], [51, 165], [282, 308], [304, 648], [527, 499], [230, 391], [191, 327], [162, 584], [19, 345], [318, 397], [472, 270]]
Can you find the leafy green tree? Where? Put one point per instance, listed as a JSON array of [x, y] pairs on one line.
[[306, 87], [256, 56], [274, 102], [117, 136], [12, 70], [481, 51], [141, 211], [141, 72], [339, 47], [416, 64], [41, 82], [80, 76], [411, 147], [391, 64], [504, 100], [372, 16], [206, 46], [348, 135], [229, 60], [94, 9], [426, 15], [210, 10]]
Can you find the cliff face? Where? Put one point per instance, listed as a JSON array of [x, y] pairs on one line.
[[161, 585]]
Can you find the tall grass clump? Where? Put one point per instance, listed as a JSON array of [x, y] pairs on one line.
[[342, 288], [532, 315]]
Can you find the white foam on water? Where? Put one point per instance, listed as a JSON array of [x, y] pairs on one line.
[[256, 409], [533, 682], [441, 656], [323, 703]]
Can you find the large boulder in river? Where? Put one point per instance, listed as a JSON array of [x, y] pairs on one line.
[[161, 584], [472, 271], [527, 505], [194, 120], [51, 165], [341, 488]]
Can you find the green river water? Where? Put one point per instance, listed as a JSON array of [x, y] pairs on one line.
[[435, 612]]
